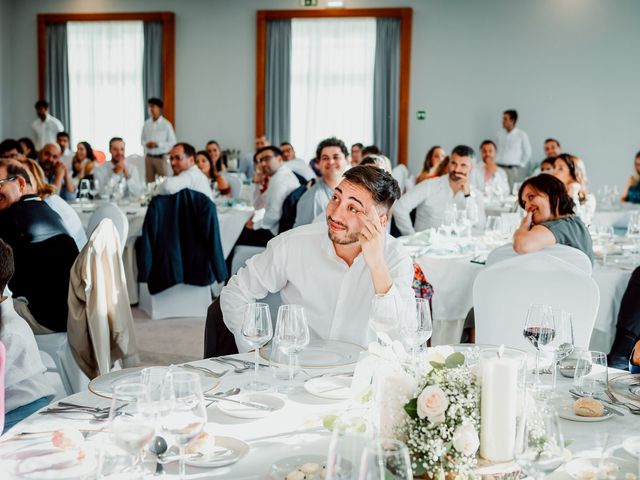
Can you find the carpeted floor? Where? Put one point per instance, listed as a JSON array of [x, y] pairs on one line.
[[172, 340]]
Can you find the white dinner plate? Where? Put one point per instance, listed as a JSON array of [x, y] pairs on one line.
[[45, 462], [240, 411], [285, 466], [627, 385], [103, 385], [631, 445], [324, 354], [566, 412], [333, 387], [580, 468], [231, 450]]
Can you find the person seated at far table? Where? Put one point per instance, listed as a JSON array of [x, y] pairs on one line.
[[25, 387], [83, 162], [215, 177], [297, 165], [344, 261], [550, 218], [631, 191], [118, 171], [186, 173], [57, 172], [434, 157], [564, 168]]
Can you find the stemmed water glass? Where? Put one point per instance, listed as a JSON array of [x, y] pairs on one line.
[[94, 188], [188, 414], [461, 223], [591, 377], [539, 446], [448, 221], [291, 336], [415, 323], [131, 422], [345, 453], [540, 330], [385, 458], [83, 190], [383, 317], [257, 330], [562, 344]]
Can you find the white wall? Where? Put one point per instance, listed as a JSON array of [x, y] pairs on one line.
[[570, 67]]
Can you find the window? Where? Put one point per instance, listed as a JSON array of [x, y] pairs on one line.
[[332, 65], [105, 82]]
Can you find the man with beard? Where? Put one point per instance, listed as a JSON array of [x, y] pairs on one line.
[[433, 197], [118, 172], [332, 269]]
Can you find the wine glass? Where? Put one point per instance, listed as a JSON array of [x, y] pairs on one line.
[[539, 446], [493, 228], [94, 188], [257, 330], [188, 414], [345, 453], [461, 223], [291, 336], [591, 377], [83, 190], [131, 422], [448, 221], [383, 317], [561, 346], [540, 330], [415, 323], [385, 458]]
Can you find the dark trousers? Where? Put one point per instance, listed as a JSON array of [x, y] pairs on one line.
[[628, 326], [254, 238]]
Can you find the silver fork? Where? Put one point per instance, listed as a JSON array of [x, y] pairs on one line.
[[204, 370], [632, 408]]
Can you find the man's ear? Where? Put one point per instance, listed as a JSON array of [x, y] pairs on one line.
[[22, 183], [384, 218]]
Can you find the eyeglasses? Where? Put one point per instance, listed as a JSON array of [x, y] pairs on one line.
[[265, 158], [8, 179], [14, 156]]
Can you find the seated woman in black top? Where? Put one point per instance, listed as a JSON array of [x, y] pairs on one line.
[[43, 250]]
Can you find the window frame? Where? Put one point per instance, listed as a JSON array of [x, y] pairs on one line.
[[168, 46], [404, 14]]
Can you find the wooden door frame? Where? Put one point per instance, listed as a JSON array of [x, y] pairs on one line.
[[404, 14], [168, 46]]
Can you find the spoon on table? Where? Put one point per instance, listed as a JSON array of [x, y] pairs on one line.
[[158, 447], [228, 393]]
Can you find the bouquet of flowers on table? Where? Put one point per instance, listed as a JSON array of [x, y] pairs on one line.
[[432, 405]]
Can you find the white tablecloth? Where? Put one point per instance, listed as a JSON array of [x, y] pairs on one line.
[[294, 430]]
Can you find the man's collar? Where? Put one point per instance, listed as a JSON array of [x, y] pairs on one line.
[[30, 197], [157, 119]]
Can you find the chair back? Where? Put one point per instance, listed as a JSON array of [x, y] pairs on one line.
[[137, 161], [502, 294], [234, 182], [116, 215], [289, 209], [2, 358], [571, 255]]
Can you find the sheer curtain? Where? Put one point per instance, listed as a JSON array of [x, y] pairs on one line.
[[105, 82], [332, 65]]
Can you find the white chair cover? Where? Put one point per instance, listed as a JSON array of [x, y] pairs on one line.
[[575, 257], [502, 293], [57, 347], [234, 182], [117, 216], [52, 377], [138, 162]]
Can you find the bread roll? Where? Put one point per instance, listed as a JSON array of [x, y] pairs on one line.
[[588, 407]]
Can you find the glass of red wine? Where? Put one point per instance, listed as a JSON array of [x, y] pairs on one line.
[[539, 329]]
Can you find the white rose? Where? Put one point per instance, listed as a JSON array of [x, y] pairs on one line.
[[432, 403], [465, 439]]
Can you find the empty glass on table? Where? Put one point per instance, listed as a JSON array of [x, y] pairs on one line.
[[591, 377], [383, 459], [291, 337], [257, 330], [416, 326]]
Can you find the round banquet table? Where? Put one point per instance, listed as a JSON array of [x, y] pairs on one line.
[[294, 430]]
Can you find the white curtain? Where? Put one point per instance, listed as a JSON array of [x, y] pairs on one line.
[[105, 82], [332, 63]]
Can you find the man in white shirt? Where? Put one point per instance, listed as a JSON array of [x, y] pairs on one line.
[[332, 269], [298, 165], [333, 161], [46, 126], [186, 172], [246, 162], [486, 176], [157, 138], [432, 197], [117, 174], [514, 149], [57, 172], [552, 149], [281, 182], [63, 141], [356, 154]]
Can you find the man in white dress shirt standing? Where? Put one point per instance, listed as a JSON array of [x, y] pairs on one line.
[[45, 127], [298, 165], [118, 172], [334, 268], [186, 173], [432, 197], [514, 149], [157, 138]]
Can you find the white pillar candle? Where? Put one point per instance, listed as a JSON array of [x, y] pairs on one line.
[[498, 408]]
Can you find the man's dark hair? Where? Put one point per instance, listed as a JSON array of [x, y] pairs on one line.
[[115, 139], [552, 140], [331, 142], [7, 267], [549, 160], [371, 150], [637, 154], [10, 144], [155, 101], [383, 187], [359, 145], [33, 154], [276, 151], [559, 200], [282, 144], [463, 151], [214, 142], [189, 150], [488, 142], [513, 115], [14, 170], [63, 134], [42, 103]]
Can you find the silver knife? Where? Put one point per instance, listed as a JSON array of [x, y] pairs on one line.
[[257, 406], [608, 406]]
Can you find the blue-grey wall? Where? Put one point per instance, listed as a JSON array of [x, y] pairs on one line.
[[570, 67]]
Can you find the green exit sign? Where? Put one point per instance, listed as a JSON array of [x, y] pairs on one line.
[[309, 3], [421, 114]]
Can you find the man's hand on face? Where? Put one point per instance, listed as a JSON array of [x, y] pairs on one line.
[[372, 237], [60, 169], [462, 184]]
